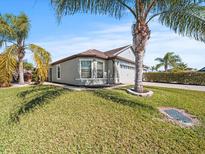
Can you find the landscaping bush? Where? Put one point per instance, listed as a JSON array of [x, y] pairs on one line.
[[28, 76], [194, 78], [4, 84]]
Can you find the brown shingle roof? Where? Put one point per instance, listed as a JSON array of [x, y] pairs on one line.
[[94, 53]]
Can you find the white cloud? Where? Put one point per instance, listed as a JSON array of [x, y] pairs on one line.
[[107, 37], [72, 45], [110, 29], [191, 51]]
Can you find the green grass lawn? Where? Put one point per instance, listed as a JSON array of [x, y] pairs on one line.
[[52, 120]]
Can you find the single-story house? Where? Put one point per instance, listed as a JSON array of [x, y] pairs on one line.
[[94, 67]]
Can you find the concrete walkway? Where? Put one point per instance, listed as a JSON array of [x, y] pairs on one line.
[[74, 88], [177, 86], [15, 85]]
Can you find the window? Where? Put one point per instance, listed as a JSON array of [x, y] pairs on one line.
[[86, 69], [127, 67], [58, 72], [99, 69]]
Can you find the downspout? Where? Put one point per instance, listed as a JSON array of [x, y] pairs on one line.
[[108, 74], [113, 71]]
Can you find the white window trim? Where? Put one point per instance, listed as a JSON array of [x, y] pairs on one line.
[[91, 68], [57, 71], [103, 68]]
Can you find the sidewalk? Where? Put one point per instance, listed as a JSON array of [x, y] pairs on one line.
[[152, 84], [177, 86]]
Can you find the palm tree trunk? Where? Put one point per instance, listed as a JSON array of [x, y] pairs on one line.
[[21, 54], [21, 71], [141, 35], [165, 68], [139, 72]]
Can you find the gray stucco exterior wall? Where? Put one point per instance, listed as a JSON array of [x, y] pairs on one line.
[[115, 71], [70, 73]]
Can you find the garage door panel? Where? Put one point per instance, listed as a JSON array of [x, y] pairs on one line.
[[126, 73]]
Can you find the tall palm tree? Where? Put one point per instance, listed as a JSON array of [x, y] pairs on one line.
[[185, 17], [170, 59], [14, 31]]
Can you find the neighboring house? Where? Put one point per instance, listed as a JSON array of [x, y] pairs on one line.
[[202, 70], [94, 67]]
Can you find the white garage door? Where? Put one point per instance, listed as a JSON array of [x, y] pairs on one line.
[[126, 73]]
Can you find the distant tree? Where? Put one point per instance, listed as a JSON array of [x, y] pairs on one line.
[[14, 31], [185, 17], [153, 68], [28, 66], [145, 68], [180, 67], [169, 60]]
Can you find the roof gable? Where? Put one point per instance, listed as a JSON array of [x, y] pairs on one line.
[[117, 51], [127, 54]]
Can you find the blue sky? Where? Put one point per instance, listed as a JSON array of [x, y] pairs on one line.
[[83, 31]]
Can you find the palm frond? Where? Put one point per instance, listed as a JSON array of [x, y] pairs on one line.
[[7, 32], [8, 65], [14, 28], [115, 8], [159, 60], [187, 19], [174, 60], [22, 26], [42, 59], [159, 65]]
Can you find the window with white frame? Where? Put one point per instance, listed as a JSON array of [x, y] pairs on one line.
[[100, 69], [127, 67], [86, 68], [58, 67]]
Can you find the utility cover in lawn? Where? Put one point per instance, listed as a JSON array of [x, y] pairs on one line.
[[179, 116]]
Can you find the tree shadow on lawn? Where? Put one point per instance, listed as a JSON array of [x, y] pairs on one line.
[[37, 96], [120, 98]]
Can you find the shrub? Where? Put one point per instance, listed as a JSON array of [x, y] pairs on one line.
[[4, 84], [28, 76], [194, 78]]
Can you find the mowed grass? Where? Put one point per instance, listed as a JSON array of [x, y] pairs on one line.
[[46, 119]]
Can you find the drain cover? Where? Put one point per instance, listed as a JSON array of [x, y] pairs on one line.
[[179, 116]]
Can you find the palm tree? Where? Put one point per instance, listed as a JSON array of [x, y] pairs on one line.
[[170, 59], [153, 68], [185, 17], [14, 31], [180, 67]]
